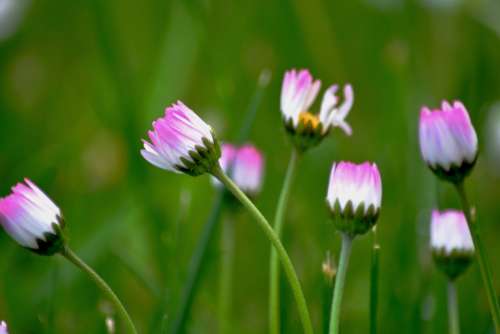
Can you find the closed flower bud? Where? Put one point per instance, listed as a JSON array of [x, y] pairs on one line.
[[226, 160], [32, 219], [451, 242], [448, 141], [248, 170], [3, 328], [182, 142], [354, 196], [245, 165], [298, 92]]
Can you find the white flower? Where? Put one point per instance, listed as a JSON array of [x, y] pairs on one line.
[[450, 232], [248, 169], [298, 92], [354, 196], [358, 184], [181, 142], [31, 218], [3, 328], [245, 165], [447, 137]]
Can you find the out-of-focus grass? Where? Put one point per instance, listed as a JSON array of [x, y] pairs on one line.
[[82, 80]]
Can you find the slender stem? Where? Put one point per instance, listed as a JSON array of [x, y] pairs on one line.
[[481, 256], [374, 283], [73, 258], [271, 235], [196, 266], [345, 252], [274, 269], [453, 318], [225, 277]]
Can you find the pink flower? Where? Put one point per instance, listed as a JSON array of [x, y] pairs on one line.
[[181, 142], [248, 169], [450, 233], [32, 219], [355, 184], [447, 138], [354, 197], [245, 165], [228, 153], [3, 328], [298, 92]]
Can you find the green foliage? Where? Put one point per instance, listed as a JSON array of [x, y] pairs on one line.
[[81, 82]]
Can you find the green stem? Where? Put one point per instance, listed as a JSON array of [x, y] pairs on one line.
[[226, 276], [481, 256], [454, 326], [374, 283], [274, 270], [199, 256], [271, 235], [73, 258], [339, 283]]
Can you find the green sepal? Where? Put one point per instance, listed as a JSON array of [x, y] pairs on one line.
[[53, 242], [353, 221], [452, 264], [305, 136], [202, 158], [456, 174]]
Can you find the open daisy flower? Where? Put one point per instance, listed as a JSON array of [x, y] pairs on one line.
[[298, 92]]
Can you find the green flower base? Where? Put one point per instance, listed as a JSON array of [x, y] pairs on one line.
[[453, 264], [305, 136], [456, 174], [204, 158], [353, 221]]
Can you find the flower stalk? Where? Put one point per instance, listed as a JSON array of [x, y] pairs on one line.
[[122, 312], [226, 276], [354, 198], [481, 255], [338, 290], [271, 235], [274, 270], [374, 282], [453, 317]]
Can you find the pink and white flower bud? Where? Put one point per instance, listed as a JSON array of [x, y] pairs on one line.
[[228, 153], [451, 242], [32, 219], [354, 196], [182, 142], [448, 141], [248, 170], [3, 328], [298, 92], [245, 165]]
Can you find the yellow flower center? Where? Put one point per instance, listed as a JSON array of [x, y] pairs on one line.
[[306, 117]]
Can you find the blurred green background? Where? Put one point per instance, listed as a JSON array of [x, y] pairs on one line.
[[81, 82]]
